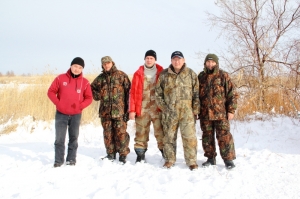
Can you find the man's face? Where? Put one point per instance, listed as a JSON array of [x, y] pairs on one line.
[[210, 64], [177, 62], [76, 69], [107, 66], [149, 61]]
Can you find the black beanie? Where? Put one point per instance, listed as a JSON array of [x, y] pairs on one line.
[[78, 60], [212, 57], [151, 53]]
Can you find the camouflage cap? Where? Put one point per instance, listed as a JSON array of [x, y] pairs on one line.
[[106, 59]]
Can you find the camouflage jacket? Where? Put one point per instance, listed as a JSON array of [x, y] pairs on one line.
[[217, 94], [112, 89], [172, 88]]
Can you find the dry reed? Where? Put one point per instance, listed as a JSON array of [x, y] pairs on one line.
[[23, 96]]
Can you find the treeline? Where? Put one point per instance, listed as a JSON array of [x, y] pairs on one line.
[[12, 74]]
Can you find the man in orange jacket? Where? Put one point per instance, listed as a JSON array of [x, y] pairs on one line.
[[142, 106]]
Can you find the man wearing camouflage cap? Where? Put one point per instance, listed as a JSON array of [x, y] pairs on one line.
[[177, 95], [218, 102], [112, 87]]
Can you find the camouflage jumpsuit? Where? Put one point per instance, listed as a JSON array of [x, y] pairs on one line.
[[177, 95], [217, 98], [149, 114], [112, 89]]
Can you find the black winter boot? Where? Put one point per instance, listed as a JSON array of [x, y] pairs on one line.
[[122, 159], [209, 161], [229, 164], [71, 163], [162, 153], [140, 155], [110, 157], [57, 165]]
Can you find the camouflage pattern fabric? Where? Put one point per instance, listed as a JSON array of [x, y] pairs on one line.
[[149, 114], [112, 89], [217, 94], [217, 97], [177, 95], [116, 139], [224, 137]]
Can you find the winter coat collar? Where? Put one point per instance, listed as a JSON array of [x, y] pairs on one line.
[[69, 74], [214, 71], [111, 71], [141, 69], [172, 70]]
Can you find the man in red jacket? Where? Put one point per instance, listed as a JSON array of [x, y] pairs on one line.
[[142, 106], [71, 93]]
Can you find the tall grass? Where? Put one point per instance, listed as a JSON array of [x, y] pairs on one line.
[[281, 97], [23, 96]]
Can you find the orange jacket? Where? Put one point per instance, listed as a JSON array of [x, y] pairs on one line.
[[136, 91]]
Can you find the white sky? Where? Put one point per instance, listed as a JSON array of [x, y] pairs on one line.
[[36, 36]]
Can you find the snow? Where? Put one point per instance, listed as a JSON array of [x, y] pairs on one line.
[[267, 165]]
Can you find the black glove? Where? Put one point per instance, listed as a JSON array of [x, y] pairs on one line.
[[126, 117]]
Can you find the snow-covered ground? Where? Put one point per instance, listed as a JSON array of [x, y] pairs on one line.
[[267, 166]]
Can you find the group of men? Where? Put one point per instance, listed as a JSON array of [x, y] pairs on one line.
[[171, 99]]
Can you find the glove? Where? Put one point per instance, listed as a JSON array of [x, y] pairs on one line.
[[126, 117]]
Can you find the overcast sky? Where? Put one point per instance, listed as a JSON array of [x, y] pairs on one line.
[[38, 36]]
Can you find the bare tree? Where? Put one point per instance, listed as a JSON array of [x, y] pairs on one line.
[[263, 42]]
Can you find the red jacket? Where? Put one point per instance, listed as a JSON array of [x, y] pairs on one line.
[[136, 91], [70, 95]]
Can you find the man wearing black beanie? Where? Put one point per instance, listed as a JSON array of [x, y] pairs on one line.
[[142, 106], [79, 61], [150, 53], [70, 93]]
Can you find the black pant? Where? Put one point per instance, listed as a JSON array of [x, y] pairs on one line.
[[62, 122]]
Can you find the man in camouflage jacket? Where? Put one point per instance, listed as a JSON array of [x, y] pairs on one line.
[[177, 95], [112, 87], [218, 100]]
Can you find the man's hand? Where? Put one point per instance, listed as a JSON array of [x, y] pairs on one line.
[[230, 116], [132, 115], [125, 117]]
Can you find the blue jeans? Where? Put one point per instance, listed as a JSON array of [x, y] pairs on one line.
[[62, 122]]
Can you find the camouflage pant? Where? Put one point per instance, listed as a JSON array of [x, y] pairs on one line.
[[224, 137], [143, 129], [184, 120], [116, 139]]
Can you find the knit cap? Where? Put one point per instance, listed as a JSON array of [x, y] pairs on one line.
[[78, 60], [151, 53], [212, 57]]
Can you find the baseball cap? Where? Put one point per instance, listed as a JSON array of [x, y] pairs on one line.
[[177, 54]]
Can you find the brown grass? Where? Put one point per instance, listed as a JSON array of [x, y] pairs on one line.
[[23, 96], [9, 128], [281, 97]]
